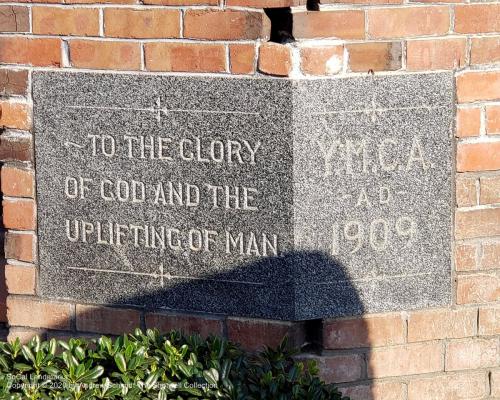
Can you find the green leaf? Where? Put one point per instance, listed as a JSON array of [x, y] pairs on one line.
[[211, 376], [120, 362], [28, 355]]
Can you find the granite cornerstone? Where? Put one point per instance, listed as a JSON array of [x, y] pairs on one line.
[[286, 199]]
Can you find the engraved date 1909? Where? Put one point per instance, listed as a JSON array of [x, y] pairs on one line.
[[378, 234]]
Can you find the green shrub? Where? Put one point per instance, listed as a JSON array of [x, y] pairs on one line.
[[152, 366]]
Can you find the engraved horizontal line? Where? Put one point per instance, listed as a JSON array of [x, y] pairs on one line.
[[371, 110], [168, 276], [165, 110], [378, 278]]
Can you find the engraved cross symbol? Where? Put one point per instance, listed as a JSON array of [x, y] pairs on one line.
[[373, 110], [158, 110]]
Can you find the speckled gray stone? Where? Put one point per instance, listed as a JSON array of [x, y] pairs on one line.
[[262, 197]]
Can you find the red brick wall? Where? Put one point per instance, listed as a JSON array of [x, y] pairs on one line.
[[451, 353]]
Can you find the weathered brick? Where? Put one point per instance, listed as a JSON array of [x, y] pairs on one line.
[[35, 313], [476, 289], [19, 214], [493, 120], [185, 57], [107, 320], [183, 2], [14, 147], [489, 320], [14, 19], [13, 82], [490, 190], [39, 52], [254, 334], [20, 279], [468, 122], [264, 3], [20, 246], [24, 335], [465, 257], [381, 390], [478, 156], [477, 18], [17, 182], [226, 25], [190, 324], [131, 23], [477, 223], [435, 54], [466, 191], [338, 368], [96, 1], [15, 115], [408, 22], [65, 21], [441, 324], [242, 58], [472, 354], [370, 331], [463, 386], [275, 59], [412, 359], [342, 24], [495, 383], [105, 54], [490, 256], [485, 50], [375, 56], [321, 60], [476, 86]]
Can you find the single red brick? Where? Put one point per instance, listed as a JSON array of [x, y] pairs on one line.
[[489, 320], [478, 156], [242, 58], [472, 354], [131, 23], [226, 25], [65, 21], [17, 182], [105, 54], [185, 57], [19, 214], [275, 59], [477, 223], [107, 320], [39, 52], [485, 50], [435, 54], [465, 257], [188, 324], [35, 313], [408, 22], [264, 3], [20, 246], [14, 19], [478, 85], [375, 56], [490, 190], [15, 147], [490, 257], [338, 368], [13, 82], [371, 331], [412, 359], [493, 120], [342, 24], [441, 324], [254, 334], [20, 279], [472, 385], [476, 289], [466, 191], [14, 114], [477, 18], [322, 60], [183, 2], [468, 122], [377, 390]]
